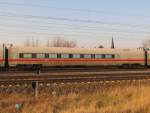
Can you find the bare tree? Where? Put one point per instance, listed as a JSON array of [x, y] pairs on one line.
[[27, 43], [61, 42], [48, 43], [146, 44], [32, 43], [37, 43], [73, 43]]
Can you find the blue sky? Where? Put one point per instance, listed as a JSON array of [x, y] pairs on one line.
[[89, 22]]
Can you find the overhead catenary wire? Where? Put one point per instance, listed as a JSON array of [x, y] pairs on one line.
[[59, 33], [69, 29], [75, 34], [119, 31], [10, 14], [72, 26], [74, 20], [69, 9]]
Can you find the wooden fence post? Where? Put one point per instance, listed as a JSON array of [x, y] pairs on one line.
[[35, 84]]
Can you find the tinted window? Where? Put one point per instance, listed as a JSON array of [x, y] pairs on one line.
[[87, 56], [109, 56], [81, 56], [46, 55], [98, 56], [70, 55], [27, 55], [92, 56], [113, 56], [21, 55], [40, 55], [34, 55], [76, 55], [52, 55], [58, 55], [64, 55]]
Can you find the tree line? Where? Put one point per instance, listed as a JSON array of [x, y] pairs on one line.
[[61, 42], [57, 42]]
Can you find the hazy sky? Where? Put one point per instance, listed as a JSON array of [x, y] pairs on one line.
[[89, 22]]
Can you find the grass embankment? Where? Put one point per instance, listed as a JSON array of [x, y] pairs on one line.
[[79, 98]]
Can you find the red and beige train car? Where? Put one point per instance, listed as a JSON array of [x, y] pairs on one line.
[[62, 56], [50, 56]]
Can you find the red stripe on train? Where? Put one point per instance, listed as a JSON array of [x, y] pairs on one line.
[[1, 60]]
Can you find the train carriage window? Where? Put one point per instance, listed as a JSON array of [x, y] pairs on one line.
[[92, 55], [81, 55], [64, 55], [27, 55], [46, 55], [40, 55], [109, 56], [70, 55], [20, 55], [58, 55], [52, 55], [113, 56], [98, 56], [34, 55], [87, 56], [76, 55], [103, 56]]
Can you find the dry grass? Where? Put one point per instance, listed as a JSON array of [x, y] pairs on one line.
[[79, 98]]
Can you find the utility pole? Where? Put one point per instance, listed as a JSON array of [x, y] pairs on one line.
[[112, 44], [145, 57], [35, 84]]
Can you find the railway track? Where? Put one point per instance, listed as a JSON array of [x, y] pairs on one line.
[[24, 78], [60, 70]]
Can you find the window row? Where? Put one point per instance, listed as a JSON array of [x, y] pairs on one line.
[[47, 55]]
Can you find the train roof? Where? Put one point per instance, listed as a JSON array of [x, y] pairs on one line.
[[69, 50]]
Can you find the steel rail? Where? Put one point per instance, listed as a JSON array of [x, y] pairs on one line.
[[72, 78], [77, 79], [72, 74], [60, 70]]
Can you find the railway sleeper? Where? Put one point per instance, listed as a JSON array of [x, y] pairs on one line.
[[131, 66], [29, 67]]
